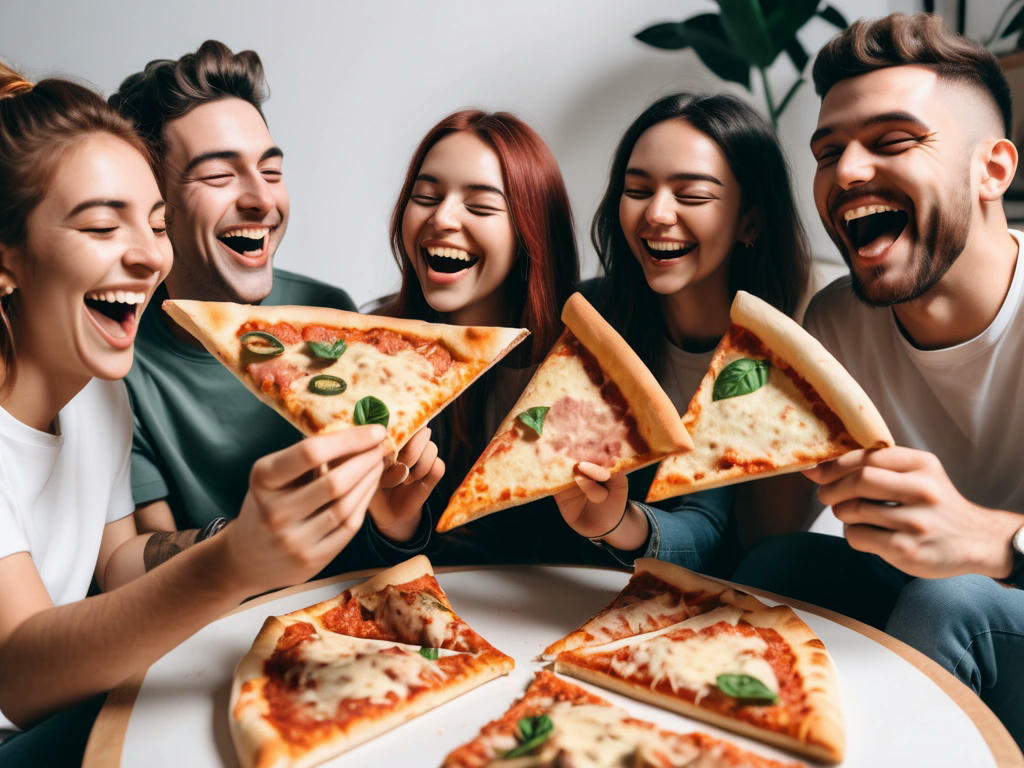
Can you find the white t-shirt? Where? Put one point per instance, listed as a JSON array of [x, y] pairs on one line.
[[963, 403], [57, 492]]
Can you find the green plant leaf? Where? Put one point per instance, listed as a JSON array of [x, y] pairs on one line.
[[370, 410], [1016, 24], [534, 417], [533, 731], [745, 687], [787, 18], [747, 31], [797, 54], [789, 95], [740, 377], [327, 350], [430, 654], [666, 36], [832, 15], [705, 35]]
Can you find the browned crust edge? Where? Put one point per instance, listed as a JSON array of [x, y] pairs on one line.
[[812, 361], [657, 419]]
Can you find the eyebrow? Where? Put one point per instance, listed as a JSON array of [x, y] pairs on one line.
[[681, 176], [228, 154], [475, 187], [101, 203], [885, 117]]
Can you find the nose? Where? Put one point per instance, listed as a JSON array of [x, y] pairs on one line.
[[854, 166], [147, 251], [446, 215], [661, 208], [256, 196]]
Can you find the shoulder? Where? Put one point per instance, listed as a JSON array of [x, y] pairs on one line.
[[832, 306], [293, 288]]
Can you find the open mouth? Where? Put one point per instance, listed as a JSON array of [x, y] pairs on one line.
[[115, 311], [662, 250], [449, 260], [873, 228], [246, 242]]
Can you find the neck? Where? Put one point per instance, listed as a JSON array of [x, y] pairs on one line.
[[960, 306], [36, 397], [697, 317], [483, 312]]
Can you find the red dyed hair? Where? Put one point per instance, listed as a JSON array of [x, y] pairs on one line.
[[546, 267]]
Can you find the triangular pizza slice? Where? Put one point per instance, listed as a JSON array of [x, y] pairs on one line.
[[558, 723], [320, 680], [591, 399], [731, 660], [326, 369], [773, 401]]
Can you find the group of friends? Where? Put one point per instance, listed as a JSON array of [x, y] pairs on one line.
[[131, 516]]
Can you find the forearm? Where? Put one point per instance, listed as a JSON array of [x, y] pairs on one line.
[[66, 653]]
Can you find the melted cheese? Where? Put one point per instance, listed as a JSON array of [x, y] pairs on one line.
[[340, 667], [726, 613], [426, 620]]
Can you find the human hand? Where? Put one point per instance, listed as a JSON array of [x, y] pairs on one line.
[[597, 507], [900, 504], [297, 517], [397, 505]]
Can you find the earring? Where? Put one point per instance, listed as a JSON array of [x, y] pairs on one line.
[[748, 243], [7, 290]]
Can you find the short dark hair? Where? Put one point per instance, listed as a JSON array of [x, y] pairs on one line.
[[168, 89], [920, 38], [777, 267]]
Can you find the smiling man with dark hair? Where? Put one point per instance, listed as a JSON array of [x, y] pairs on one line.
[[912, 164]]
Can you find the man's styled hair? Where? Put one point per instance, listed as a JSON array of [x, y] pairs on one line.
[[168, 89], [920, 38]]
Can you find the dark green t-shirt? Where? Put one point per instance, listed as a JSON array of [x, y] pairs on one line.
[[198, 430]]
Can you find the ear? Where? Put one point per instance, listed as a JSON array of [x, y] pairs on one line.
[[8, 282], [999, 163], [750, 226]]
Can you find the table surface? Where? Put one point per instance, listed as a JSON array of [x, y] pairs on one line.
[[901, 708]]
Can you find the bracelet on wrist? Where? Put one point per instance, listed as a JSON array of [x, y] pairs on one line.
[[599, 538], [211, 528]]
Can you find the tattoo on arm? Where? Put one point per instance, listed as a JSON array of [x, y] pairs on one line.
[[163, 545]]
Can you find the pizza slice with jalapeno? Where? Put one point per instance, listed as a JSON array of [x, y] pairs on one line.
[[690, 644], [320, 680], [327, 369], [591, 399], [773, 401], [558, 723]]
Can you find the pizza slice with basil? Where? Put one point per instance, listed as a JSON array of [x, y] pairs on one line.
[[320, 680], [327, 369], [558, 723], [690, 644], [773, 401], [591, 399]]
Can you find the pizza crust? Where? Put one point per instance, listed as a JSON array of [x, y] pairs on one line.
[[656, 417], [840, 391]]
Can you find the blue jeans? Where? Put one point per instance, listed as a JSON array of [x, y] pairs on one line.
[[971, 625], [56, 742]]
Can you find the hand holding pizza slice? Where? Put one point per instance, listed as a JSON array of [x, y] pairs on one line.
[[773, 401]]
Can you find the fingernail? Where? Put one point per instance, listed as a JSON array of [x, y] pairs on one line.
[[378, 432]]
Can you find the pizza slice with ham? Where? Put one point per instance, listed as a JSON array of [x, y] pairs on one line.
[[773, 401], [591, 399], [320, 680], [326, 369], [690, 644], [558, 723]]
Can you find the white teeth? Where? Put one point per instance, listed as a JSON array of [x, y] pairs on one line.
[[449, 253], [866, 210], [120, 297], [255, 233], [664, 245]]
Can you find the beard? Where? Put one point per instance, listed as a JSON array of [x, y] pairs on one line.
[[941, 239]]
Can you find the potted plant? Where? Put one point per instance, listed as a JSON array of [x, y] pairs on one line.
[[747, 35]]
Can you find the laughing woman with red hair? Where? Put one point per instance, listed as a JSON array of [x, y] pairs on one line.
[[483, 234]]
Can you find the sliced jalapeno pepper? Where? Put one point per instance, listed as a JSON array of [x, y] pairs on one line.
[[262, 343], [327, 385]]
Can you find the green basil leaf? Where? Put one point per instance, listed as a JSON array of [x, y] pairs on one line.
[[327, 385], [745, 687], [740, 377], [328, 350], [262, 343], [430, 654], [534, 417], [370, 410], [533, 731]]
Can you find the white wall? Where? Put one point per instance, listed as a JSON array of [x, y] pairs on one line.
[[355, 84]]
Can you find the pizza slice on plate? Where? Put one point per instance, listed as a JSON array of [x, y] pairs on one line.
[[327, 369], [320, 680], [773, 401], [557, 723], [733, 662], [591, 399]]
